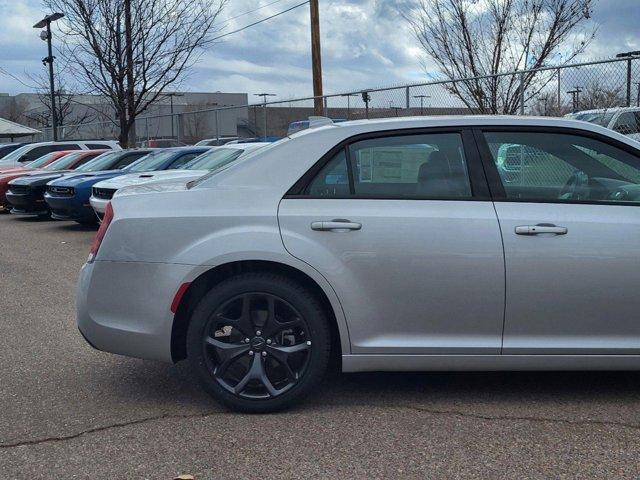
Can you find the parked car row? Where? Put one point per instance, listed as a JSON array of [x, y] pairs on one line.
[[60, 183]]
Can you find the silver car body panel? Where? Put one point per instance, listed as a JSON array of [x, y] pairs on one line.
[[487, 363], [573, 293], [162, 239], [401, 276]]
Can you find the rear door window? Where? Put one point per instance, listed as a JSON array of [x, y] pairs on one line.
[[425, 166]]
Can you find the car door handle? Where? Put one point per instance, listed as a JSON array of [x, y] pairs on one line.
[[337, 224], [540, 229]]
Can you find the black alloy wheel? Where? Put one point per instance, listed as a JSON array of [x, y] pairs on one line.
[[259, 342]]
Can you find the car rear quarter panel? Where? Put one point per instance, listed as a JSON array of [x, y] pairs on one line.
[[199, 230]]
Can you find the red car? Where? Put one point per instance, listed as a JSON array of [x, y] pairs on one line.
[[38, 163], [49, 162]]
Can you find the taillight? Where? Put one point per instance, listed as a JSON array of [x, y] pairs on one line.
[[108, 216]]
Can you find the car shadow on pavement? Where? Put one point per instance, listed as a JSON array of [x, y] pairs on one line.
[[31, 219], [77, 227], [521, 391], [480, 388]]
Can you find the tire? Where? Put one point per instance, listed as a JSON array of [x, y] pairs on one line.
[[215, 345]]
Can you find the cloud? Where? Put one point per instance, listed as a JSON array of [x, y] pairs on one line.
[[366, 44]]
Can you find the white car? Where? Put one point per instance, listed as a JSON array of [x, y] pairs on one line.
[[624, 120], [29, 152], [216, 157]]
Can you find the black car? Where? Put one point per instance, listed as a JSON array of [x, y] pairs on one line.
[[26, 194]]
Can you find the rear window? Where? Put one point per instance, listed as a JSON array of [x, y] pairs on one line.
[[98, 146], [64, 162]]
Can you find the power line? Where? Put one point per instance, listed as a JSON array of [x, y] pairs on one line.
[[252, 11], [260, 21]]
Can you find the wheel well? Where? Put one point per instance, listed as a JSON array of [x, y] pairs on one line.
[[205, 282]]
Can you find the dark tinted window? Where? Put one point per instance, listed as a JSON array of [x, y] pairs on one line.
[[36, 153], [66, 146], [563, 167], [98, 146], [430, 166], [333, 179], [412, 166]]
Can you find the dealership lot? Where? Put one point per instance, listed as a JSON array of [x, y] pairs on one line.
[[71, 412]]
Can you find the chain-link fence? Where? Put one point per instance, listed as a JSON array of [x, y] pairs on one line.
[[551, 91]]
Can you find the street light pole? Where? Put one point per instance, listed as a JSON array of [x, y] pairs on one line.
[[171, 95], [422, 97], [46, 23], [264, 105], [629, 56]]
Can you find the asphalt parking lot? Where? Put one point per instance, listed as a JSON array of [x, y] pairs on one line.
[[68, 411]]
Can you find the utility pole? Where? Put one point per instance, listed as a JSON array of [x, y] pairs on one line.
[[46, 35], [316, 58], [575, 98], [131, 109], [264, 106]]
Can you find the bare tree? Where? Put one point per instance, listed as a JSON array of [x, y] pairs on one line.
[[477, 39], [131, 51], [598, 95], [195, 121]]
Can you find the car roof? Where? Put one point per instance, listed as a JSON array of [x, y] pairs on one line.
[[354, 127], [64, 142], [245, 146], [608, 110]]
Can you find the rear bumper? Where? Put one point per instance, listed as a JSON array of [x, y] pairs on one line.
[[31, 203], [139, 324], [68, 208]]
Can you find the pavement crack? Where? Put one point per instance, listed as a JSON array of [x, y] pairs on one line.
[[64, 438], [478, 416]]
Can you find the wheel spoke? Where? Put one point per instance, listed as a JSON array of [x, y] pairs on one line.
[[283, 353], [228, 353], [256, 372]]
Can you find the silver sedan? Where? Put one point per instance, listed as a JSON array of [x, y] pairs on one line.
[[445, 243]]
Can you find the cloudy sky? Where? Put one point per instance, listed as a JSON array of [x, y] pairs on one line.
[[366, 44]]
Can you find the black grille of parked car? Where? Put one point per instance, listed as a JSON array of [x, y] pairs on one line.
[[19, 189], [60, 191], [104, 193]]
